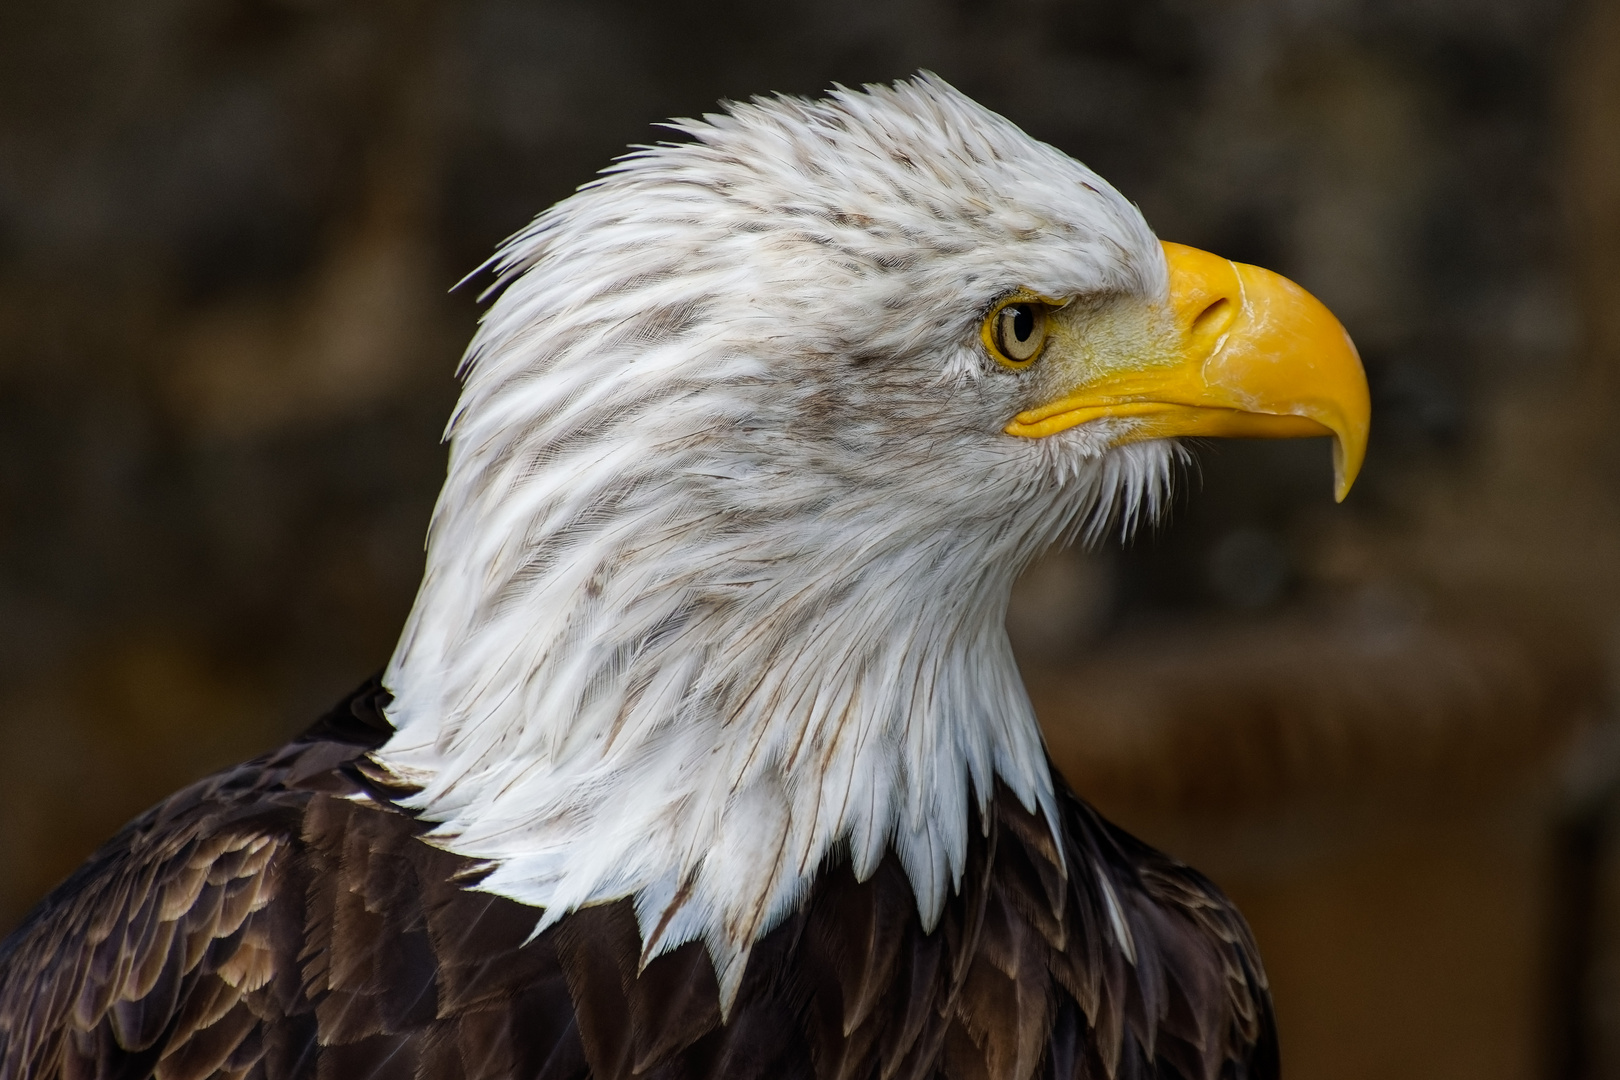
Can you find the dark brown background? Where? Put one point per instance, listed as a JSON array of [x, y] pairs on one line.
[[227, 232]]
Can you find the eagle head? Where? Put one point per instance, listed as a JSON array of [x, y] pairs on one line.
[[753, 440]]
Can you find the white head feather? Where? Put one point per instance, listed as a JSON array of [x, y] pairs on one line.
[[716, 585]]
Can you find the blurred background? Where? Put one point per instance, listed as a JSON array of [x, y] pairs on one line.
[[228, 229]]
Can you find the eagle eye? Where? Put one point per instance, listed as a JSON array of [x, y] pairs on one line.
[[1015, 332]]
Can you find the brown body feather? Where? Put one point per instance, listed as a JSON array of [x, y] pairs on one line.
[[283, 920]]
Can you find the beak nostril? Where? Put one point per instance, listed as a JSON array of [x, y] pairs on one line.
[[1213, 319]]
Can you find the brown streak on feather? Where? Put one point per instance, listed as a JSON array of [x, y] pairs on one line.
[[676, 902]]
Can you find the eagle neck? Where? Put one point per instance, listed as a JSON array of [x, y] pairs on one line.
[[704, 732]]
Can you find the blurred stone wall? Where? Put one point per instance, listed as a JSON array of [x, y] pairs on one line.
[[228, 229]]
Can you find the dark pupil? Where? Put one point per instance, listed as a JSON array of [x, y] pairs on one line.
[[1023, 322]]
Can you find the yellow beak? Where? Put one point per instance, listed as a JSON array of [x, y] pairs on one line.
[[1253, 356]]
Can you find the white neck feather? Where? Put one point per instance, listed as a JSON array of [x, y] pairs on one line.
[[679, 640]]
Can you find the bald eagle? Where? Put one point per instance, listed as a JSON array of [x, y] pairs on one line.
[[703, 752]]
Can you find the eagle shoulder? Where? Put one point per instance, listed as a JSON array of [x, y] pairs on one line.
[[165, 953], [1158, 973]]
